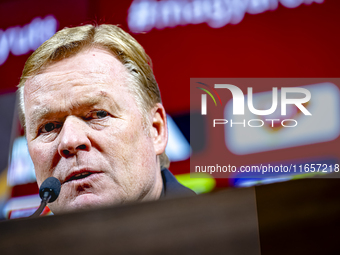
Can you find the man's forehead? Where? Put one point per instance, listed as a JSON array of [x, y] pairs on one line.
[[86, 67], [80, 77]]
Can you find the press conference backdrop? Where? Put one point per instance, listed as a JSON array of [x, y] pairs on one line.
[[185, 39]]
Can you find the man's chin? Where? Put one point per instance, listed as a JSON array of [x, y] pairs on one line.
[[80, 203]]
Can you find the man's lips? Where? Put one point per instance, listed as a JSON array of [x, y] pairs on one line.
[[78, 175]]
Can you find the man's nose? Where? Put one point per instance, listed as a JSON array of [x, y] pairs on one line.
[[73, 137]]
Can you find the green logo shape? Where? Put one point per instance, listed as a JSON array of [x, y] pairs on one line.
[[208, 94]]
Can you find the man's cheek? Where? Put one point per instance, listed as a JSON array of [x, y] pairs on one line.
[[40, 161]]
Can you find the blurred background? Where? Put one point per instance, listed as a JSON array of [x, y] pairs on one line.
[[185, 39]]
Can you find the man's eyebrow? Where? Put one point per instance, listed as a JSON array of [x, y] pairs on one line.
[[38, 114]]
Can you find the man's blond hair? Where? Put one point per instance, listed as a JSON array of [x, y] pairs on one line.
[[70, 41]]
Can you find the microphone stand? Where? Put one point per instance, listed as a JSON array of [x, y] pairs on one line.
[[46, 198]]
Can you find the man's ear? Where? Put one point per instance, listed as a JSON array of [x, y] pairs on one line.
[[159, 132]]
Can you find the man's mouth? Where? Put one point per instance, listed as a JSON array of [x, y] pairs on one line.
[[79, 176]]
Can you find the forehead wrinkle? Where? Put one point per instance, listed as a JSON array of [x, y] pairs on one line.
[[89, 99], [74, 78], [101, 72]]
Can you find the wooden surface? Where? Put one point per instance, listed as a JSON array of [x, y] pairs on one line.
[[299, 217], [221, 223]]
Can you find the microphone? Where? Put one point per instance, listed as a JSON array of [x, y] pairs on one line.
[[48, 192]]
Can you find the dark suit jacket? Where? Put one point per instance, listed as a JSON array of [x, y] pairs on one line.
[[172, 188]]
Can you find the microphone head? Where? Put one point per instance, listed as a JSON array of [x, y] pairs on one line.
[[51, 185]]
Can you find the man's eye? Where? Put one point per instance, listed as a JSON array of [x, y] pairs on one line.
[[100, 114], [49, 127], [94, 115]]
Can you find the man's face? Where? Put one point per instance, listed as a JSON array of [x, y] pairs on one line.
[[84, 128]]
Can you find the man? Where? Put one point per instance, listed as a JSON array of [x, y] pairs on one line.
[[93, 118]]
